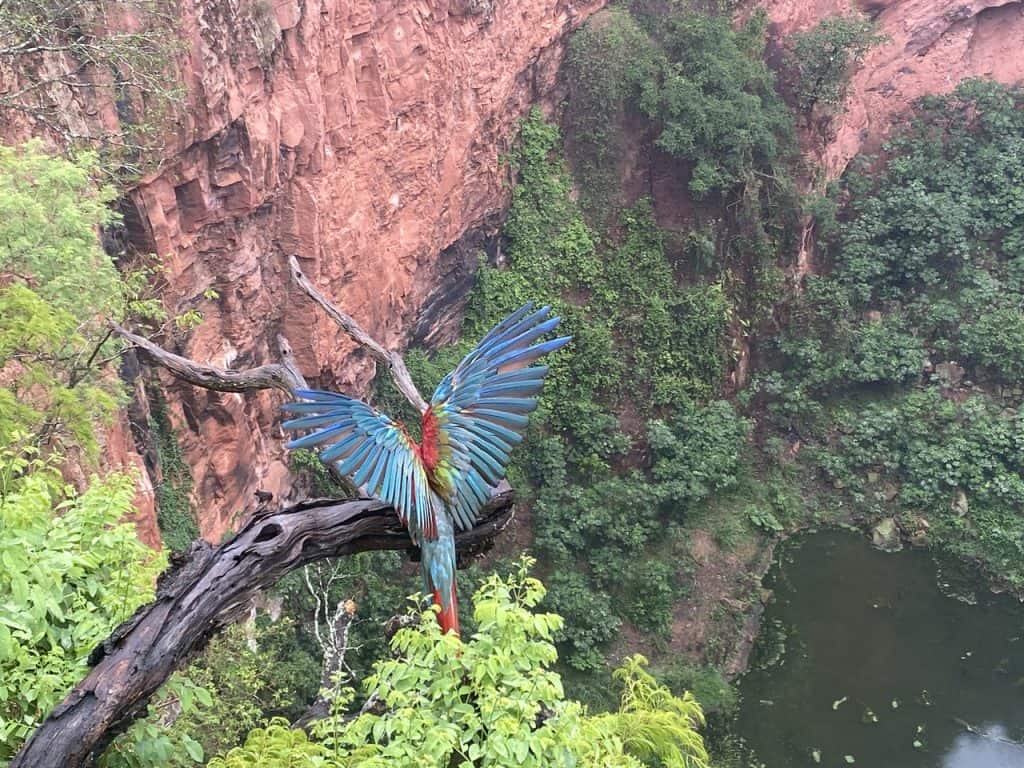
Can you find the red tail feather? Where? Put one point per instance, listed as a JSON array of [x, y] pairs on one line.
[[449, 619]]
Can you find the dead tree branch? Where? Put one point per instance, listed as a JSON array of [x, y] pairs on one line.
[[207, 589], [284, 376], [331, 630], [393, 360]]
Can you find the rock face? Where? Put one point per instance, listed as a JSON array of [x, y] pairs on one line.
[[931, 46], [362, 136], [885, 535]]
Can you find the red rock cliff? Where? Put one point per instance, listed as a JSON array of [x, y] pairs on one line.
[[930, 46], [362, 136]]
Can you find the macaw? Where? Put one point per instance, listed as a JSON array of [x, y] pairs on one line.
[[476, 415]]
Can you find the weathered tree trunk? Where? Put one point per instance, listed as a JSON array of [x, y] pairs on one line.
[[205, 590]]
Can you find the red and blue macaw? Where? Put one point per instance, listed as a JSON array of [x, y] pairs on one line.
[[476, 415]]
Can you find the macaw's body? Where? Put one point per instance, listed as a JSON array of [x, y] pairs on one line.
[[476, 415]]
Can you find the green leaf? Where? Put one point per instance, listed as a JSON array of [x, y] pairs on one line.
[[194, 749]]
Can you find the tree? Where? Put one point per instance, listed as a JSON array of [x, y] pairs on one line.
[[492, 700], [57, 290], [716, 101], [823, 56], [61, 60]]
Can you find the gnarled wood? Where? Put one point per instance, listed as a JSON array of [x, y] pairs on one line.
[[284, 376], [207, 589]]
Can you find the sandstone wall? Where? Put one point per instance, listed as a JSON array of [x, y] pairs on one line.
[[931, 46], [363, 136]]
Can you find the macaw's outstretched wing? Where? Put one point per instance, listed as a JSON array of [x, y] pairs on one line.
[[480, 410], [370, 449]]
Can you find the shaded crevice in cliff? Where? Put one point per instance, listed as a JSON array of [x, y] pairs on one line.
[[440, 319]]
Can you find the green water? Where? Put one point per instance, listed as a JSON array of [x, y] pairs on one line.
[[853, 630]]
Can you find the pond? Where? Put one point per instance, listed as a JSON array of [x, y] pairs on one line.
[[862, 660]]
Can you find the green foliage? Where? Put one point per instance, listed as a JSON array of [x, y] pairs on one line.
[[174, 514], [949, 198], [50, 210], [245, 678], [765, 520], [376, 582], [707, 685], [698, 456], [666, 336], [715, 100], [71, 61], [930, 448], [607, 61], [828, 348], [704, 86], [71, 571], [148, 743], [995, 340], [51, 394], [590, 619], [491, 700], [823, 56], [925, 254], [56, 289], [279, 746], [653, 724]]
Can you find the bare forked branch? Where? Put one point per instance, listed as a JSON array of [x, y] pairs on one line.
[[284, 375], [393, 360]]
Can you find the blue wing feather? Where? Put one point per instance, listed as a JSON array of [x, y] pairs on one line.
[[370, 449], [482, 405], [481, 408]]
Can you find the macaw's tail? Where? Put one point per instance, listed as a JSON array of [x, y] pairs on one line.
[[438, 563], [449, 615]]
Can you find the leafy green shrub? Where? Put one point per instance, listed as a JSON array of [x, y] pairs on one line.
[[493, 700], [715, 100], [253, 679], [148, 743], [765, 520], [947, 196], [174, 513], [652, 585], [50, 210], [994, 339], [931, 448], [822, 58], [698, 455], [828, 348], [72, 570], [58, 288], [607, 61], [707, 685]]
